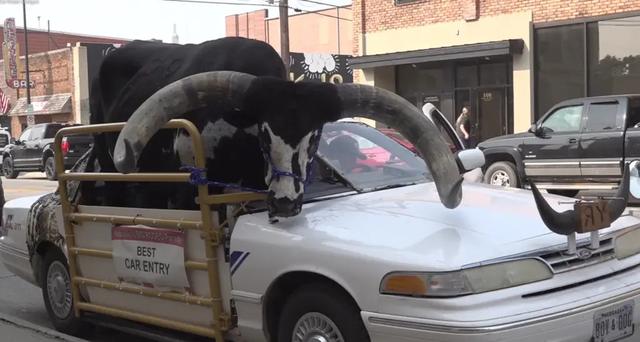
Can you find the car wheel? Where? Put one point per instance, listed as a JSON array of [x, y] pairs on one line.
[[56, 291], [321, 313], [2, 200], [567, 193], [50, 168], [502, 174], [7, 168]]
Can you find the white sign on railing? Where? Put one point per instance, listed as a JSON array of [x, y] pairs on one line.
[[151, 257]]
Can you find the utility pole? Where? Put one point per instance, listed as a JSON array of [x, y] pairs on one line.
[[284, 33], [338, 28], [26, 51]]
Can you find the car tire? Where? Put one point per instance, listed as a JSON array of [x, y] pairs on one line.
[[50, 168], [56, 292], [2, 199], [502, 174], [321, 310], [7, 168], [566, 193]]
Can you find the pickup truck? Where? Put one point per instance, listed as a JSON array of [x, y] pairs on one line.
[[579, 144], [33, 150], [374, 256]]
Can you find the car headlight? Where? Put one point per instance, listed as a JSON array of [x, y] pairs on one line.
[[467, 281], [628, 244]]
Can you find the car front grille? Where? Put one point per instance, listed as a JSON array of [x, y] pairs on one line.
[[560, 261]]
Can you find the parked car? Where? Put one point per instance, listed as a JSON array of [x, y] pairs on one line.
[[5, 137], [578, 144], [373, 256], [33, 151]]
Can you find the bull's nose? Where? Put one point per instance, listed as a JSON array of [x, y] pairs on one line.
[[284, 207]]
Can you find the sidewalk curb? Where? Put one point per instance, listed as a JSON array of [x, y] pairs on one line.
[[50, 333]]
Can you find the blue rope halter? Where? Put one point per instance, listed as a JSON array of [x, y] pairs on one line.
[[198, 176]]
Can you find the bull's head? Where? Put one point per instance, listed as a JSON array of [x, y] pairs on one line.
[[290, 117]]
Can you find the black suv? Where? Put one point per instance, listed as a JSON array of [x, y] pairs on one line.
[[33, 151], [577, 145]]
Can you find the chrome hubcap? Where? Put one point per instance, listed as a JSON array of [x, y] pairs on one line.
[[59, 289], [316, 327], [500, 178]]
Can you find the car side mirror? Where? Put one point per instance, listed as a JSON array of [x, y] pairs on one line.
[[542, 132], [470, 159], [12, 140], [533, 128]]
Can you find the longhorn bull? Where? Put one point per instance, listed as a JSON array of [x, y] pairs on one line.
[[244, 113]]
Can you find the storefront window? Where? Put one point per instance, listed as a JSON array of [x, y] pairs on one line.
[[432, 79], [493, 74], [560, 65], [466, 76], [614, 56]]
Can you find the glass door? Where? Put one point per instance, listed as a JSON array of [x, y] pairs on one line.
[[492, 116]]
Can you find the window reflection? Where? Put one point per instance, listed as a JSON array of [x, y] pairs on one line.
[[614, 56], [560, 65]]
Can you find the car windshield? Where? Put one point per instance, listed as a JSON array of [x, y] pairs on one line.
[[51, 131], [354, 156]]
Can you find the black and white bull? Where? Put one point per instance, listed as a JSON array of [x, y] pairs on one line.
[[279, 119], [131, 74]]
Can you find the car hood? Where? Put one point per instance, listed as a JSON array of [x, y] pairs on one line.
[[505, 140], [409, 227]]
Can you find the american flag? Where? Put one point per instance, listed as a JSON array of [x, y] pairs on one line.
[[4, 103]]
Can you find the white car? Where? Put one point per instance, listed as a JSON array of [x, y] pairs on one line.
[[374, 256]]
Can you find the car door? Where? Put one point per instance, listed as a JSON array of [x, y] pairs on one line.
[[632, 134], [553, 154], [601, 141], [18, 152], [33, 153]]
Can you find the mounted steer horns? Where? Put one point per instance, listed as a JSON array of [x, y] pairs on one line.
[[272, 102], [566, 222]]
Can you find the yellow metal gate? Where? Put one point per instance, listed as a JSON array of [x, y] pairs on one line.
[[210, 233]]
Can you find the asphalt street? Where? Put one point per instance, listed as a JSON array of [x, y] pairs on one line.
[[23, 300]]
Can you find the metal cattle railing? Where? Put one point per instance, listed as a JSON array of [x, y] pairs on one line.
[[210, 233]]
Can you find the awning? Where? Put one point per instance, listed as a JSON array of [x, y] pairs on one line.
[[43, 105], [498, 48]]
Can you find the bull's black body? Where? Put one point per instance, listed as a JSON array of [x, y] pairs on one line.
[[133, 73]]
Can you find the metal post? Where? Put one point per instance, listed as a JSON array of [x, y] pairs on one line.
[[284, 33], [26, 50], [595, 240], [571, 244]]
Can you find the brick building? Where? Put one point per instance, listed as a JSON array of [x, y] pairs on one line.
[[43, 41], [323, 31], [61, 65], [319, 41], [509, 61]]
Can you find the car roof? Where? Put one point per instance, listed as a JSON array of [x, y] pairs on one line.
[[597, 98]]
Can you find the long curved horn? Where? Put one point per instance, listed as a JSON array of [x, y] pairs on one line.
[[566, 222], [619, 202], [563, 223], [223, 89], [391, 109]]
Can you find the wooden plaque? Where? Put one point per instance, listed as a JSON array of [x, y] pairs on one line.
[[592, 216]]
